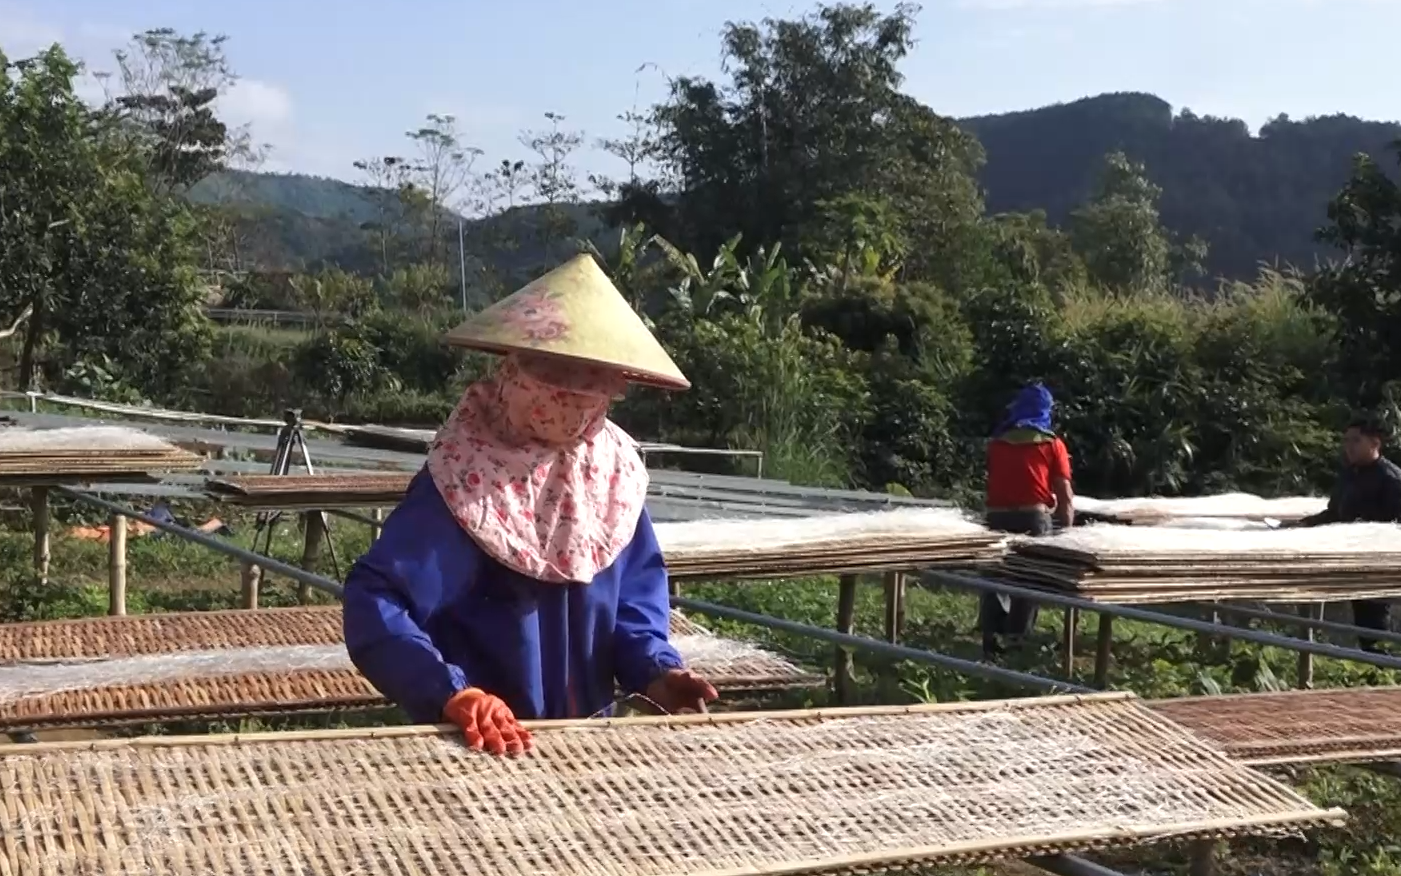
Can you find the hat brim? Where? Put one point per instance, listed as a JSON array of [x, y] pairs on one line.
[[630, 373]]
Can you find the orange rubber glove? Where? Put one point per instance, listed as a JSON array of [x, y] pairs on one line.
[[487, 722], [681, 691]]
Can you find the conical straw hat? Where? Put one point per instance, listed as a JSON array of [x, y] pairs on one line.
[[574, 312]]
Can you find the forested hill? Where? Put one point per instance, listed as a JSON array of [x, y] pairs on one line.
[[1252, 197]]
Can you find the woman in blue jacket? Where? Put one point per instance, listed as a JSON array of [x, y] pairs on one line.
[[520, 577]]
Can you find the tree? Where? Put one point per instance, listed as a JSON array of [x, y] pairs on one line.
[[553, 178], [169, 84], [105, 265], [1364, 290], [1117, 232], [391, 188], [811, 113], [444, 165]]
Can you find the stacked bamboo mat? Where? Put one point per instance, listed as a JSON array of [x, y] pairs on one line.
[[221, 664], [96, 451], [1155, 511], [1306, 726], [903, 539], [791, 793], [1152, 564], [315, 492]]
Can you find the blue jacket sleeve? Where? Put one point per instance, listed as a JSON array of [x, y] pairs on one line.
[[640, 647], [392, 593]]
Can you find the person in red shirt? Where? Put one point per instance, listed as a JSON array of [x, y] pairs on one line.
[[1028, 492]]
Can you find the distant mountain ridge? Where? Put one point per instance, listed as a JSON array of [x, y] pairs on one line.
[[1253, 198]]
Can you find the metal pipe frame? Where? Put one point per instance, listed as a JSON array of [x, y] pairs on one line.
[[1069, 865], [884, 649], [1307, 623], [232, 550], [1128, 612]]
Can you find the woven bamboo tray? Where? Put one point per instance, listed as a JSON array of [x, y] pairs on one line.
[[316, 491], [1147, 565], [1313, 726], [771, 793], [98, 450], [246, 663]]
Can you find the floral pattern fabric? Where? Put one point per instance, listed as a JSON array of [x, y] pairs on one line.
[[532, 469]]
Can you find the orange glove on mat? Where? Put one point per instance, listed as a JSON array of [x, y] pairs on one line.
[[487, 722]]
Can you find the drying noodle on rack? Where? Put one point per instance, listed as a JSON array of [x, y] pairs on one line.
[[779, 793], [20, 681], [1243, 506], [722, 536]]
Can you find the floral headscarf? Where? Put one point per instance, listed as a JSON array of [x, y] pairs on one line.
[[536, 474]]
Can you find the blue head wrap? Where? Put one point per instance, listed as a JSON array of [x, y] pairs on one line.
[[1031, 409]]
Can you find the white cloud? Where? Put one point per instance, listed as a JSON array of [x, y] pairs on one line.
[[22, 34], [257, 103]]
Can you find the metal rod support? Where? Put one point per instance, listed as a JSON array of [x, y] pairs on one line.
[[1069, 865], [214, 544], [884, 649], [1308, 621], [1128, 612]]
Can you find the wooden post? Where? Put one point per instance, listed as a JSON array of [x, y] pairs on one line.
[[1067, 640], [1203, 858], [311, 550], [894, 606], [377, 515], [1104, 650], [1207, 643], [39, 504], [842, 680], [1313, 612], [116, 566], [249, 579]]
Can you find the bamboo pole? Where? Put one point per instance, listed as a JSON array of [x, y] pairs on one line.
[[377, 515], [401, 731], [1067, 639], [894, 606], [1104, 650], [39, 504], [1305, 658], [311, 549], [843, 683], [249, 580], [116, 566]]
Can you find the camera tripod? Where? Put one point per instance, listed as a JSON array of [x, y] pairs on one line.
[[291, 438]]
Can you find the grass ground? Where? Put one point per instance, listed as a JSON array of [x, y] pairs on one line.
[[169, 575]]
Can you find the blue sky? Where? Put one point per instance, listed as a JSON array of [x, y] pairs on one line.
[[326, 83]]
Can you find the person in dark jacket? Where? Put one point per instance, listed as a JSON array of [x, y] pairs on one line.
[[1368, 491], [1028, 491]]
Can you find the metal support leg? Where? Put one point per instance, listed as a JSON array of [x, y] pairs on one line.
[[843, 682]]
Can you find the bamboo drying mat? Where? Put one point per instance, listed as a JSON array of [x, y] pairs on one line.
[[733, 667], [834, 557], [99, 450], [1165, 578], [310, 491], [774, 793], [1306, 726]]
